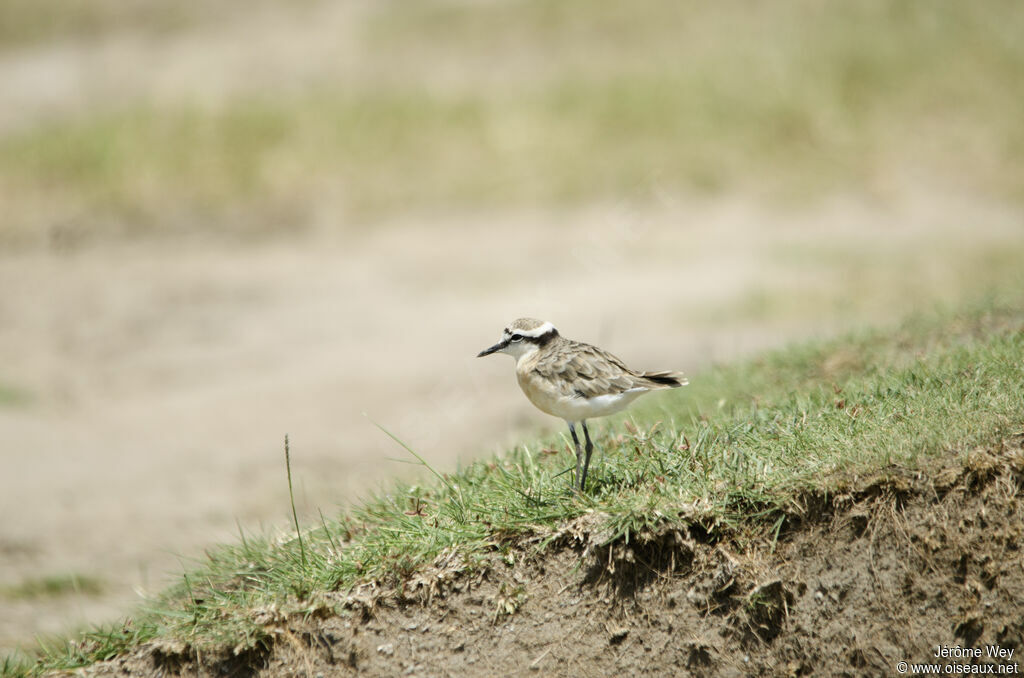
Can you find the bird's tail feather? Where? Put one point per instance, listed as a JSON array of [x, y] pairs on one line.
[[666, 379]]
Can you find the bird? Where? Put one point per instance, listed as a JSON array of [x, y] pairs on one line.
[[573, 380]]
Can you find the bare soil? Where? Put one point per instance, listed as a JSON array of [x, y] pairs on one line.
[[882, 572]]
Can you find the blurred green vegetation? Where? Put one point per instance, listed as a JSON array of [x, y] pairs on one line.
[[14, 396], [535, 103], [819, 281], [26, 23], [53, 586]]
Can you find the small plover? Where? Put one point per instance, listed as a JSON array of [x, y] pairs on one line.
[[573, 380]]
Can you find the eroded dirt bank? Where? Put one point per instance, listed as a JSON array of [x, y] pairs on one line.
[[857, 582]]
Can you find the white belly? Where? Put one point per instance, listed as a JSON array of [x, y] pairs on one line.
[[572, 408]]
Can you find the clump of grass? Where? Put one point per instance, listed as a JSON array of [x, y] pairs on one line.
[[15, 667], [732, 451]]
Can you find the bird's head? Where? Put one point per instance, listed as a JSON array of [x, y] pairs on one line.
[[524, 336]]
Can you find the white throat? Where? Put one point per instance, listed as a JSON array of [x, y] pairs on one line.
[[521, 349]]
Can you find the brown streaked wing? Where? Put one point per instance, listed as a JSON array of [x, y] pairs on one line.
[[588, 371]]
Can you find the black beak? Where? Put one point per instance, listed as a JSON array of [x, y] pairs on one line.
[[488, 351]]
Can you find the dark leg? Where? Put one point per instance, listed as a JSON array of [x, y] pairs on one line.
[[579, 451], [590, 450]]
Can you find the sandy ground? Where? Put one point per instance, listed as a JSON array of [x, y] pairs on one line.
[[158, 379]]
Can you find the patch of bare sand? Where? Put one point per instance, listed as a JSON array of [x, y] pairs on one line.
[[159, 377]]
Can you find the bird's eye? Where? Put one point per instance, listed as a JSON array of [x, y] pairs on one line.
[[516, 337]]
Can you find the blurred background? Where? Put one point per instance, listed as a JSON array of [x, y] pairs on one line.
[[225, 222]]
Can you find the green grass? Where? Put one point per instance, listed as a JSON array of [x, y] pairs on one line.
[[733, 451], [29, 23], [13, 396], [10, 396], [590, 102], [53, 586]]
